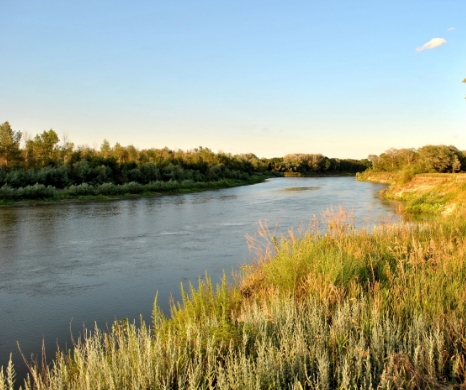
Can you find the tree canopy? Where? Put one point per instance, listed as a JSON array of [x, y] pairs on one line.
[[9, 144], [429, 158], [44, 160]]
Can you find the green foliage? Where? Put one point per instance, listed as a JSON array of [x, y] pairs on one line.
[[43, 148], [9, 144], [431, 193], [41, 191], [43, 161], [36, 191], [305, 164], [430, 203], [436, 158], [114, 171], [405, 175], [429, 158]]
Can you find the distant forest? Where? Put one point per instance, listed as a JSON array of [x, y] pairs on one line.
[[429, 158], [47, 160]]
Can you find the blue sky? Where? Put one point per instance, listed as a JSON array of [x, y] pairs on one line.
[[342, 78]]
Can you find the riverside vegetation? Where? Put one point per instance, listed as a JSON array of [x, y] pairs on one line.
[[334, 306], [42, 168], [430, 193], [419, 178]]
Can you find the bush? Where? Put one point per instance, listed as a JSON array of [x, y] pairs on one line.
[[21, 178], [80, 190], [41, 191], [7, 193], [132, 188], [406, 175], [107, 189], [37, 191], [187, 183], [150, 173]]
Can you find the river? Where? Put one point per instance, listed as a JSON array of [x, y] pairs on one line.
[[68, 265]]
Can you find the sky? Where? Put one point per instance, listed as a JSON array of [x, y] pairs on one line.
[[342, 78]]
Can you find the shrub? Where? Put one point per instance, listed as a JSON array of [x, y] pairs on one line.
[[150, 172], [7, 193], [37, 191], [107, 189], [80, 190], [132, 188]]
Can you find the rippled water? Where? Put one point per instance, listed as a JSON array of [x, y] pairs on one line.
[[63, 266]]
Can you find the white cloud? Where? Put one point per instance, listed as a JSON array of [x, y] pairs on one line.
[[435, 42], [451, 29]]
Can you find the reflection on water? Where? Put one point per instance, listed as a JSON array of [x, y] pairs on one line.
[[89, 262]]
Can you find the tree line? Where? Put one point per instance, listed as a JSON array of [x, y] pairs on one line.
[[318, 163], [429, 158], [45, 160]]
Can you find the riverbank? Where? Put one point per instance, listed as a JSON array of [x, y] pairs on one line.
[[317, 174], [332, 307], [432, 193], [108, 191]]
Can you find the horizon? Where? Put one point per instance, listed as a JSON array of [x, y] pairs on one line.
[[269, 78]]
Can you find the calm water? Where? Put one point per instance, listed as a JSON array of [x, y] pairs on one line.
[[63, 266]]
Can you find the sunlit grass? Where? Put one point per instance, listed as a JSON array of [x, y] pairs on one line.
[[431, 193]]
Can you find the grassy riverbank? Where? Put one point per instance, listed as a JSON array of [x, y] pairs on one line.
[[433, 193], [331, 307], [40, 193]]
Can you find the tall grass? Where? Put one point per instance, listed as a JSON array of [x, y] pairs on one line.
[[404, 268], [331, 307], [284, 344]]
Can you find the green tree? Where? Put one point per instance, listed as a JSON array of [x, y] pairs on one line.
[[407, 156], [66, 150], [436, 158], [105, 148], [9, 144], [29, 153], [391, 156], [133, 153], [44, 146], [120, 152]]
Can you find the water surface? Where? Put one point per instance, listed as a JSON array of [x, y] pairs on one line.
[[66, 265]]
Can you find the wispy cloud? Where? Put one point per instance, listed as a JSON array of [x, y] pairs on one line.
[[433, 43], [451, 29]]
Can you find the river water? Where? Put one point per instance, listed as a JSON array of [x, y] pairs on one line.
[[65, 266]]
